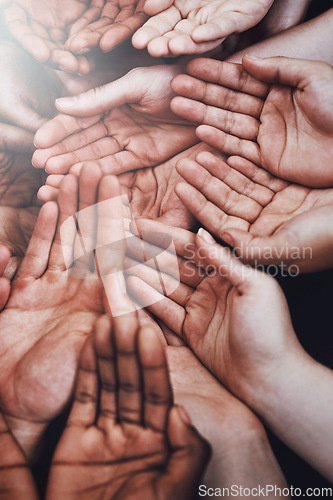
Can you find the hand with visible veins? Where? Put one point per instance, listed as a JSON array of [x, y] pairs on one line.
[[16, 480], [257, 356], [42, 29], [106, 24], [266, 220], [124, 438], [124, 126], [27, 92], [42, 324], [195, 26], [285, 127]]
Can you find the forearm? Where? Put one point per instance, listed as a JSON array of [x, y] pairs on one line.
[[312, 40], [298, 407]]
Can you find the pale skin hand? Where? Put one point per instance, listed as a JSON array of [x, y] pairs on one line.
[[124, 437], [194, 27], [106, 24], [125, 125], [42, 28], [4, 282], [16, 480], [285, 128], [52, 321], [27, 91], [266, 220]]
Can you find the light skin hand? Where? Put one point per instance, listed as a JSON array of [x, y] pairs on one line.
[[41, 322], [194, 27], [124, 437], [106, 24], [4, 282], [16, 480], [266, 220], [284, 128], [125, 125], [41, 27]]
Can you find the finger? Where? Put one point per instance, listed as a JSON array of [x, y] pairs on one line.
[[118, 33], [156, 383], [214, 95], [190, 455], [155, 27], [229, 144], [228, 75], [184, 44], [84, 409], [59, 128], [258, 175], [62, 251], [48, 193], [225, 197], [4, 291], [151, 7], [171, 313], [15, 139], [35, 261], [130, 394], [4, 258], [111, 245], [105, 351], [85, 241], [232, 123]]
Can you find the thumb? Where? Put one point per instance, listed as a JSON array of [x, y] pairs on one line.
[[190, 455], [152, 7], [283, 70], [101, 99]]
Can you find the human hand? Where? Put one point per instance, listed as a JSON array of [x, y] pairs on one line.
[[125, 125], [194, 27], [27, 92], [42, 27], [16, 480], [267, 221], [56, 319], [4, 282], [124, 437], [106, 24], [285, 127]]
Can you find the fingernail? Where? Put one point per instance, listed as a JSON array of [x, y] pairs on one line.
[[184, 415], [228, 239], [254, 58], [208, 238], [66, 102]]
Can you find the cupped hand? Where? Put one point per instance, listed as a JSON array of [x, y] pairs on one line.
[[125, 125], [269, 111], [44, 326], [197, 26], [106, 24], [266, 220], [123, 437], [42, 28]]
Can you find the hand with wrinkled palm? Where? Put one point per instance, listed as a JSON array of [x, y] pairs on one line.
[[270, 111], [27, 92], [124, 438], [51, 310], [266, 220], [106, 24], [123, 126], [195, 26], [42, 29]]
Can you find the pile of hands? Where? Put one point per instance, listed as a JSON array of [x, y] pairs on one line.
[[161, 339]]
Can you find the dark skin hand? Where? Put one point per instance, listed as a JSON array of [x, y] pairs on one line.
[[42, 322], [27, 93], [269, 111], [124, 438]]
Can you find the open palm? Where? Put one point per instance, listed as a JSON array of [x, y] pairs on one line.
[[285, 127], [194, 27]]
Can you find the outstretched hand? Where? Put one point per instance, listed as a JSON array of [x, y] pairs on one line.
[[106, 24], [195, 26], [125, 125], [123, 437], [266, 220], [269, 111]]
